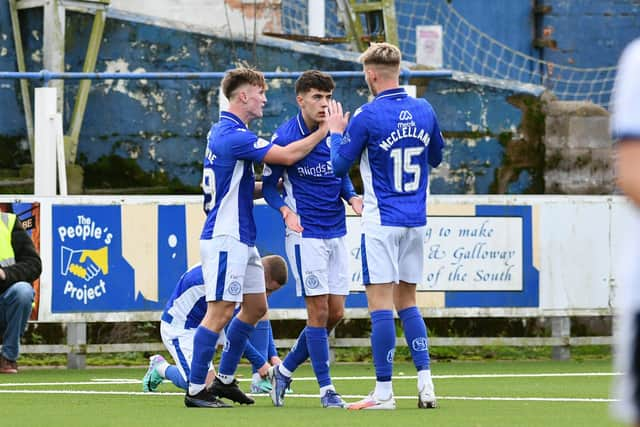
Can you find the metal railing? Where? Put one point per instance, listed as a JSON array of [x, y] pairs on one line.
[[46, 76]]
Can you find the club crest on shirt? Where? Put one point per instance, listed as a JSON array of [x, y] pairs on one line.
[[260, 143]]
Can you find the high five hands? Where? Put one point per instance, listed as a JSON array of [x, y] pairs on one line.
[[336, 120]]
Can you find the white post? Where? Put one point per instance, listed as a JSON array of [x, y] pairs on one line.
[[53, 29], [44, 156], [315, 17], [62, 164], [410, 89]]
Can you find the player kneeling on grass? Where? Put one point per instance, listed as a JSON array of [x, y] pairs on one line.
[[184, 312]]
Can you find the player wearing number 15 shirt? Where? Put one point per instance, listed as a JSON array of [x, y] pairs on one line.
[[397, 139]]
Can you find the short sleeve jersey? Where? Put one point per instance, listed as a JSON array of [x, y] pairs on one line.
[[228, 179], [393, 136], [187, 305], [311, 188], [625, 120]]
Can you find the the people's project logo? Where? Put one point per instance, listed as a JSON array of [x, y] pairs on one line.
[[84, 259]]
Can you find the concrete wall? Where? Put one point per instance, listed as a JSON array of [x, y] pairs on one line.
[[579, 150]]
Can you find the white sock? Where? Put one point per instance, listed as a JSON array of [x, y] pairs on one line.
[[195, 389], [226, 379], [384, 390], [284, 371], [162, 368], [323, 390], [424, 378], [256, 378]]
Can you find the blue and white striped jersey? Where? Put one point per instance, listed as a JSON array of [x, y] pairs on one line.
[[397, 137], [311, 188], [228, 179], [187, 306]]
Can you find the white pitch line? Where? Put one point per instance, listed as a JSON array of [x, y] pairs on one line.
[[413, 377], [105, 381], [121, 381], [315, 396]]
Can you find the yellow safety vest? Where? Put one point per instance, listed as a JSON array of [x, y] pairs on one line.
[[7, 256]]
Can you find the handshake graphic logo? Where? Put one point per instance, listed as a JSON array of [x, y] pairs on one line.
[[85, 263]]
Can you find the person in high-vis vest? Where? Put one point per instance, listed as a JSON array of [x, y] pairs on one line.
[[19, 266]]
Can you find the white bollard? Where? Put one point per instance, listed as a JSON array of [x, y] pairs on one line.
[[44, 156]]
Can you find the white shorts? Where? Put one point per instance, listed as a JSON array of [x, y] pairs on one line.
[[230, 269], [179, 343], [392, 254], [320, 266]]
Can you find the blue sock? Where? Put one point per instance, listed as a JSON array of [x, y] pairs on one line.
[[318, 345], [173, 374], [259, 339], [415, 332], [298, 354], [204, 347], [383, 343], [237, 336]]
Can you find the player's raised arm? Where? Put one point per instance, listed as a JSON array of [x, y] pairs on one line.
[[337, 121], [295, 151]]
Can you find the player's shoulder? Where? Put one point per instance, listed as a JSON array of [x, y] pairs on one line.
[[194, 272], [364, 111], [286, 132]]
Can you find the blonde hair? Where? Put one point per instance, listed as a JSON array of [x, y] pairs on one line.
[[233, 79], [384, 54]]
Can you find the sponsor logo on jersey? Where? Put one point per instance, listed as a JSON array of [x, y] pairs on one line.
[[405, 115], [321, 169]]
